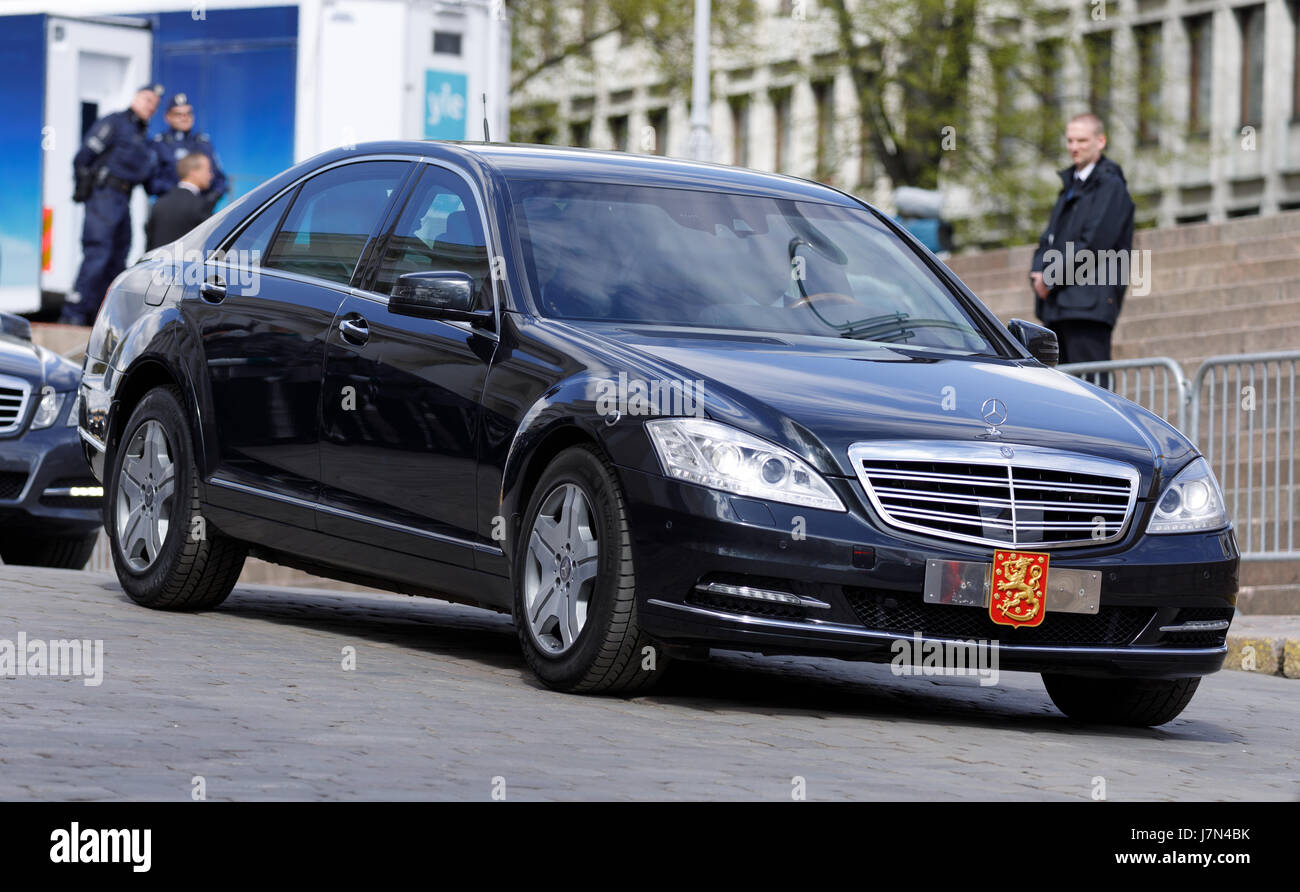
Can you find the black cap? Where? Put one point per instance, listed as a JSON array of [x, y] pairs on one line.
[[177, 100], [156, 89]]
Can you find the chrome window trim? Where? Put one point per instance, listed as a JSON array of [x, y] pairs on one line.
[[24, 388], [984, 453], [352, 515]]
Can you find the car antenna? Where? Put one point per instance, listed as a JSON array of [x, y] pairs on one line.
[[486, 138]]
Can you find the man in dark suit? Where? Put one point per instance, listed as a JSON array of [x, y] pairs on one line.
[[1081, 268], [183, 208]]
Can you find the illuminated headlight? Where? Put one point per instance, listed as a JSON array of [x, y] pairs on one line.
[[721, 457], [47, 410], [1192, 501]]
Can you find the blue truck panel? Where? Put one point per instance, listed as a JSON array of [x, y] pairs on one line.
[[22, 116]]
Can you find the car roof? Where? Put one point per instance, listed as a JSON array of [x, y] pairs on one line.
[[533, 162]]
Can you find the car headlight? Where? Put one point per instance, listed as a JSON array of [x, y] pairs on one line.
[[721, 457], [47, 410], [1192, 501]]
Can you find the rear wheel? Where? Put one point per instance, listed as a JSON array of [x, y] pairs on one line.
[[1138, 702], [165, 556], [575, 589]]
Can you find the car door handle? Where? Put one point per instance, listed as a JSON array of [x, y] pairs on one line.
[[213, 290], [354, 330]]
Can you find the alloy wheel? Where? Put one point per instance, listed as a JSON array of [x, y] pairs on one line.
[[146, 485], [560, 570]]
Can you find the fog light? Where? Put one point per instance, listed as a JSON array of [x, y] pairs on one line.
[[761, 594]]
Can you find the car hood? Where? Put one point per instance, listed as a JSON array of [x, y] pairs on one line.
[[23, 359], [820, 396]]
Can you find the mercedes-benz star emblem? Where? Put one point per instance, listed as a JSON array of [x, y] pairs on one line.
[[994, 412]]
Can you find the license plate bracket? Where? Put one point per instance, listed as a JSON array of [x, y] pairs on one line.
[[966, 584]]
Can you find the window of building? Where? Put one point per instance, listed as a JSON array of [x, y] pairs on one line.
[[1148, 39], [1047, 79], [658, 121], [580, 134], [1251, 21], [618, 129], [1200, 80], [446, 43], [781, 129], [1295, 60], [824, 98], [739, 130], [1097, 50]]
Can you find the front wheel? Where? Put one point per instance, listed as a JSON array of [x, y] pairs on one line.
[[575, 589], [165, 556], [1136, 702], [67, 552]]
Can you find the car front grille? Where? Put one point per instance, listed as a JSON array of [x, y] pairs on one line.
[[997, 494], [906, 613], [14, 393], [11, 484]]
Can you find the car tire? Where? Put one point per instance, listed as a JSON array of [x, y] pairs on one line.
[[174, 569], [63, 552], [1136, 702], [609, 653]]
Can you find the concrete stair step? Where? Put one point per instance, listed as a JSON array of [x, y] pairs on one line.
[[1194, 321], [1231, 297]]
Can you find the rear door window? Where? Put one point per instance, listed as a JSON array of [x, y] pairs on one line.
[[333, 217]]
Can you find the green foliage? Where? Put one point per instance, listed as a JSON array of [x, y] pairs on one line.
[[545, 34]]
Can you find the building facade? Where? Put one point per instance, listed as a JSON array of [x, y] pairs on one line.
[[1201, 99]]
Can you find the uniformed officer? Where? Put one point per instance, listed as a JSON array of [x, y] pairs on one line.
[[115, 158], [181, 140]]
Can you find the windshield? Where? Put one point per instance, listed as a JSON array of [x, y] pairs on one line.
[[679, 257]]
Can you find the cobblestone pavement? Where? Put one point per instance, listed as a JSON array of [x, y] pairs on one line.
[[253, 698]]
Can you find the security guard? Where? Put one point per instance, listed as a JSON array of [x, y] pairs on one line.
[[114, 159], [181, 140]]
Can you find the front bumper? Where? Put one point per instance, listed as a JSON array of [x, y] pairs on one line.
[[39, 471], [862, 587]]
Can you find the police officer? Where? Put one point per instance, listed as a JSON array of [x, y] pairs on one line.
[[114, 159], [181, 140]]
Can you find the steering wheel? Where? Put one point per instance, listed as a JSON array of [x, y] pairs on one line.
[[826, 298]]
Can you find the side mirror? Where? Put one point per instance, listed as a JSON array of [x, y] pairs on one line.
[[436, 295], [1040, 342], [15, 327]]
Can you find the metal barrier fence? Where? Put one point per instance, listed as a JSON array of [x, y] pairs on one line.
[[1156, 384], [1244, 420], [1241, 412]]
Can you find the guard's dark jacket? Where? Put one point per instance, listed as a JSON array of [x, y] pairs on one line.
[[1097, 218], [173, 215]]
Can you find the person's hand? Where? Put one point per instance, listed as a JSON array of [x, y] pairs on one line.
[[1039, 288]]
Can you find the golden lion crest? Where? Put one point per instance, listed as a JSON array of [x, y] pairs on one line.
[[1019, 595]]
